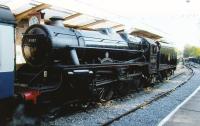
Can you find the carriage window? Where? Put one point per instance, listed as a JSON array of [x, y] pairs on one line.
[[154, 49]]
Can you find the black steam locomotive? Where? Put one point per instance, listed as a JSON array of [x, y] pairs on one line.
[[82, 64]]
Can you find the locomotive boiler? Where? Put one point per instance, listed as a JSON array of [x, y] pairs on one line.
[[85, 64], [43, 44]]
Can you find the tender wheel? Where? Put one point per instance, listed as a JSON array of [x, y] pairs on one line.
[[122, 89], [105, 93], [139, 84]]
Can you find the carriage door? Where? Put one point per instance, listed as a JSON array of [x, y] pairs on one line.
[[7, 55]]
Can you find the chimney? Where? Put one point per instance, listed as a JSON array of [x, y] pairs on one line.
[[57, 21]]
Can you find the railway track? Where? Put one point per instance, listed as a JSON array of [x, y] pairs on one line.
[[106, 114], [55, 112], [157, 97]]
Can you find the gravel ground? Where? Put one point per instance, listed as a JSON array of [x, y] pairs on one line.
[[154, 113], [103, 113]]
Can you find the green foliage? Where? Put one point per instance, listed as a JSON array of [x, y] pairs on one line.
[[179, 52], [191, 51]]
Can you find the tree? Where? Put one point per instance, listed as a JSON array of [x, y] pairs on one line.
[[191, 51]]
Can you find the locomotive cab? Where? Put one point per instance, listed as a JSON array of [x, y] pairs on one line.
[[152, 54]]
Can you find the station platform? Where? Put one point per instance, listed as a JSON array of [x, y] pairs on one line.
[[185, 114]]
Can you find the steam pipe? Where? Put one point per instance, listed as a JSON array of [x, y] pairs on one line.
[[58, 21], [74, 56]]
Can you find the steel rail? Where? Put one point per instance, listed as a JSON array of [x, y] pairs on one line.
[[159, 96]]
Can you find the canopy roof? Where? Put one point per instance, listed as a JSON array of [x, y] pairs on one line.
[[22, 8], [75, 14], [140, 32]]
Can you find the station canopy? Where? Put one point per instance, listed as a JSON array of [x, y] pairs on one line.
[[140, 32], [77, 14], [72, 17]]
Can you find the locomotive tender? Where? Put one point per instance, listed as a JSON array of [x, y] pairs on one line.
[[69, 64]]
